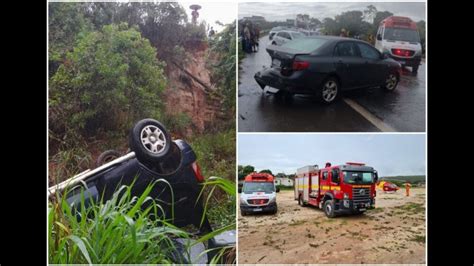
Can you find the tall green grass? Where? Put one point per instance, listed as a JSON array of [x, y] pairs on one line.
[[120, 231], [117, 231]]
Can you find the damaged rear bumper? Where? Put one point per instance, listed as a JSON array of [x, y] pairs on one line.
[[297, 82]]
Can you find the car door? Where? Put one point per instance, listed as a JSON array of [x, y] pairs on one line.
[[279, 38], [285, 37], [348, 64], [374, 67], [335, 179]]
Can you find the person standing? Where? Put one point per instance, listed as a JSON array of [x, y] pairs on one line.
[[211, 32], [407, 188], [247, 38]]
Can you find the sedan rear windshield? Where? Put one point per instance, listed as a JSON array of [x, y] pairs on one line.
[[305, 45]]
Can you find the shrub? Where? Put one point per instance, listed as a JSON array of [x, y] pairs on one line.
[[109, 80]]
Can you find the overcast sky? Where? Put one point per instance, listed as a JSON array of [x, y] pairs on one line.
[[389, 154], [288, 10], [212, 11]]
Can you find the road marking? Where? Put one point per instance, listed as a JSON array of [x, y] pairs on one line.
[[370, 117]]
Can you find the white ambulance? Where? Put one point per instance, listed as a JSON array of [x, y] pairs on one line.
[[398, 37]]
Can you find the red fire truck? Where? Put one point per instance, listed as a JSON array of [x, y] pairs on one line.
[[347, 188]]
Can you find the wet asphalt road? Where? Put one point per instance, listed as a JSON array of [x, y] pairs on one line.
[[403, 110]]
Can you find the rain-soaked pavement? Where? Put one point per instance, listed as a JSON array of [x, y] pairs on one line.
[[403, 110]]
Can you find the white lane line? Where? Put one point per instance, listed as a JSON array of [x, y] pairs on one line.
[[370, 117]]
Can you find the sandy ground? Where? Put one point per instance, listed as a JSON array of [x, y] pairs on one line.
[[393, 232]]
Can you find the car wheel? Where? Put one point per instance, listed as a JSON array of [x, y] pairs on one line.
[[329, 90], [243, 213], [107, 156], [150, 141], [391, 82], [414, 70], [329, 208], [284, 96], [275, 210]]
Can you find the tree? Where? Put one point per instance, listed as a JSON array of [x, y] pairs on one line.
[[66, 21], [421, 25], [109, 80], [302, 20], [222, 49], [315, 23], [245, 170], [351, 21], [379, 16], [268, 171], [330, 26], [369, 13]]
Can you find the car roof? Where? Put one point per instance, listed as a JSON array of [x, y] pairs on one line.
[[289, 31]]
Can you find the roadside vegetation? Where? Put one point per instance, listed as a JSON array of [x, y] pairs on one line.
[[121, 230], [108, 68]]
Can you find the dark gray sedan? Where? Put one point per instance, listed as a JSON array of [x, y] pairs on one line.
[[326, 65]]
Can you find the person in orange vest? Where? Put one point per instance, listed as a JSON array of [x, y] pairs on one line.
[[407, 188]]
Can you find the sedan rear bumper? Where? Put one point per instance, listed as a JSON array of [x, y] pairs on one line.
[[299, 82]]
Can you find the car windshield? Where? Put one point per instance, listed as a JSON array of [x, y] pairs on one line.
[[305, 45], [251, 187], [358, 177], [397, 34]]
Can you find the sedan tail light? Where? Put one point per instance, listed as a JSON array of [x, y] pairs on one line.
[[300, 65], [197, 172]]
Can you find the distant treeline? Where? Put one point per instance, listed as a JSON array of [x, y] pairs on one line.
[[399, 180]]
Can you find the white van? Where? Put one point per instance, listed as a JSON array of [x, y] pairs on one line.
[[398, 37]]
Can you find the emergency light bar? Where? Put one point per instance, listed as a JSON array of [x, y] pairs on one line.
[[358, 164]]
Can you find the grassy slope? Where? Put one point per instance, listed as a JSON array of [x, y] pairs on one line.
[[411, 179]]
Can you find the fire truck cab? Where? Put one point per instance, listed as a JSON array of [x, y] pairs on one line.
[[258, 194], [398, 37], [347, 188]]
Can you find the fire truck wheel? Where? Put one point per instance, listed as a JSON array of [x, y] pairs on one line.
[[300, 201], [329, 208]]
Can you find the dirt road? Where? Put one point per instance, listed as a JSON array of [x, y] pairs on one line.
[[393, 232]]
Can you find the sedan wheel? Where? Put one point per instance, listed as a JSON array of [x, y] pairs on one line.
[[391, 82], [329, 91]]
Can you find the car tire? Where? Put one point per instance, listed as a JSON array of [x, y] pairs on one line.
[[391, 82], [414, 70], [328, 207], [274, 211], [329, 91], [284, 96], [150, 141], [107, 156], [243, 213]]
